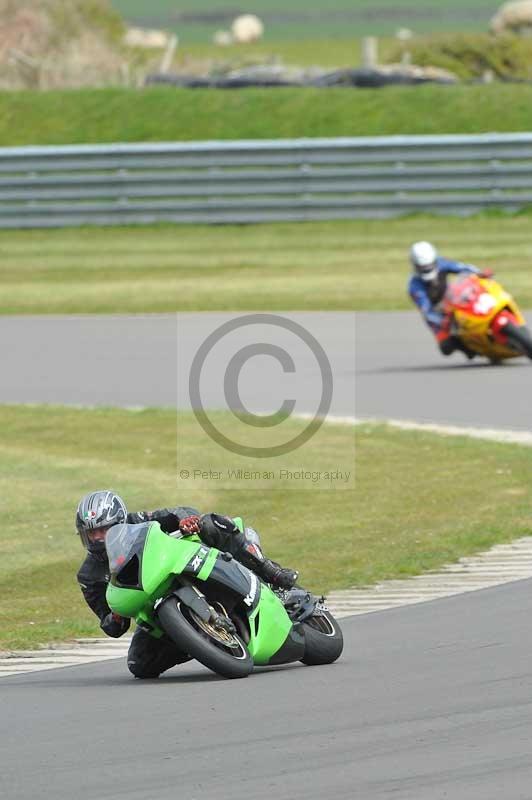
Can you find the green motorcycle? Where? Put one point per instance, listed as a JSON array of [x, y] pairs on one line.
[[211, 606]]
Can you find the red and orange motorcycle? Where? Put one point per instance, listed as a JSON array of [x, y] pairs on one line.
[[486, 318]]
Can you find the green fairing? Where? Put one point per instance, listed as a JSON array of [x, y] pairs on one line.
[[208, 564], [164, 557], [273, 628], [126, 602], [239, 522], [274, 623]]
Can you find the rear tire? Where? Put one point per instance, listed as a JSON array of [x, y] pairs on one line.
[[519, 337], [324, 641], [223, 653]]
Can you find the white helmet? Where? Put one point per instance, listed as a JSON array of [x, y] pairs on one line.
[[424, 256]]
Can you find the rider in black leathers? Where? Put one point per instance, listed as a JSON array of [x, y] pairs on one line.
[[98, 511]]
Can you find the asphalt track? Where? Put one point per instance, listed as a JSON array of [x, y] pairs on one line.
[[384, 365], [428, 702]]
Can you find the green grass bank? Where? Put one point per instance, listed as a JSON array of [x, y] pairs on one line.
[[167, 114], [418, 501], [339, 266]]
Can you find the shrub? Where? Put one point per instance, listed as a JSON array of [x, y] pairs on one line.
[[470, 55], [51, 43], [71, 18]]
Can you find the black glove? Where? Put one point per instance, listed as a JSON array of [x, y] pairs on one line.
[[220, 532], [278, 576], [114, 625]]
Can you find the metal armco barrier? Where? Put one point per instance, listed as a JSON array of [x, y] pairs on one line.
[[262, 181]]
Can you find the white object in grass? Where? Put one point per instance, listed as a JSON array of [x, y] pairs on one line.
[[247, 28]]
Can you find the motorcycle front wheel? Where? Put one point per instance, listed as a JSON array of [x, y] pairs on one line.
[[220, 651]]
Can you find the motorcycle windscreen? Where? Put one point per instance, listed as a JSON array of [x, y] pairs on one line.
[[124, 545]]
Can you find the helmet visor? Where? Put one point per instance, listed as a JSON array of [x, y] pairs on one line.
[[94, 537], [97, 535]]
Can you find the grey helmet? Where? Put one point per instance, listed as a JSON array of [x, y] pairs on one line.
[[96, 511]]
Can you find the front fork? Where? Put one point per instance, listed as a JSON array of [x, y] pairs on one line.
[[192, 597]]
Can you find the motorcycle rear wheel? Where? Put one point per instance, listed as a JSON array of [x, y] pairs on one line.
[[519, 337], [220, 651], [324, 641]]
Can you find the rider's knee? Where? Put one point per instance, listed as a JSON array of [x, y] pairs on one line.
[[141, 671]]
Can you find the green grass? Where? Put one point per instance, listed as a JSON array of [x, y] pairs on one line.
[[167, 114], [419, 501], [304, 18], [302, 266], [298, 52]]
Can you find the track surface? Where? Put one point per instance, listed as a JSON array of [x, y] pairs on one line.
[[431, 701], [137, 361]]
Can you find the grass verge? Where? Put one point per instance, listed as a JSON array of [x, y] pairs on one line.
[[404, 515], [355, 265], [168, 114]]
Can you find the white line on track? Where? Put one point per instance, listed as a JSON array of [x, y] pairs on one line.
[[81, 651], [488, 434], [504, 563], [501, 564]]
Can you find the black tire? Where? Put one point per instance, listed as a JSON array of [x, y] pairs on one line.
[[324, 641], [192, 636], [519, 337]]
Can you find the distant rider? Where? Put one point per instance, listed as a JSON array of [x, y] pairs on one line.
[[100, 510], [427, 288]]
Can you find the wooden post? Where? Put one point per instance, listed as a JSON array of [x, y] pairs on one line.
[[370, 56], [169, 54]]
